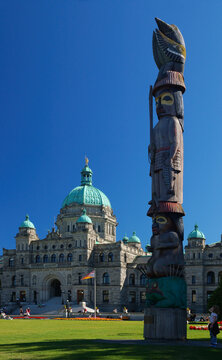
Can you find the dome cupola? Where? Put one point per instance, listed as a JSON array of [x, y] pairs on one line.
[[196, 233], [27, 223], [84, 218], [134, 239], [86, 194]]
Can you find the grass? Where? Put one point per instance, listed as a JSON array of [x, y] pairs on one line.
[[64, 340]]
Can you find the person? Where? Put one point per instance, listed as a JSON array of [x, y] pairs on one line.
[[213, 325], [21, 311], [27, 311]]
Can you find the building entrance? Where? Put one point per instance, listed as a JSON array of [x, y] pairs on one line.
[[55, 288], [80, 296]]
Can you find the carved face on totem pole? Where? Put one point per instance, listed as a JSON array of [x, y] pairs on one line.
[[161, 224], [169, 102]]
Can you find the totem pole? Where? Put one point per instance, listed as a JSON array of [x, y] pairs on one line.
[[165, 312]]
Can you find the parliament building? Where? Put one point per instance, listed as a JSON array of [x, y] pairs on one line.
[[85, 239]]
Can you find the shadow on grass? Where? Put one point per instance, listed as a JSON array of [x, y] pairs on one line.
[[90, 349]]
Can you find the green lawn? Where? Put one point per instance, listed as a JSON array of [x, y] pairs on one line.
[[63, 340]]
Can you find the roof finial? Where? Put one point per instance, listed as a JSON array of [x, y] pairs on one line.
[[86, 160]]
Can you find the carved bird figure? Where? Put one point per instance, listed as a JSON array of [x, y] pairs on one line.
[[168, 47]]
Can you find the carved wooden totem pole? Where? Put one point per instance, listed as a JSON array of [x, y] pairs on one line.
[[165, 313]]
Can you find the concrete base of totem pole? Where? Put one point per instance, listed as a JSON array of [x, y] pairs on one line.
[[165, 324]]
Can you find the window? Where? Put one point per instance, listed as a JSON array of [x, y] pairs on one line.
[[11, 262], [219, 277], [73, 228], [193, 255], [45, 258], [143, 280], [142, 297], [22, 261], [53, 258], [38, 247], [101, 257], [105, 296], [69, 246], [80, 257], [210, 277], [80, 278], [61, 246], [69, 257], [61, 258], [106, 278], [14, 280], [194, 296], [193, 279], [45, 247], [99, 229], [209, 293], [198, 255], [132, 279], [37, 259], [53, 246], [125, 258], [210, 255], [220, 254], [68, 228], [22, 279], [34, 280], [132, 297], [110, 257]]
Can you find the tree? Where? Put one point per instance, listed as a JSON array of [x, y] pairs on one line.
[[216, 299]]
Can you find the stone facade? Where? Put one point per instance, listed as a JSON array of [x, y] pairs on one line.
[[203, 270], [39, 269]]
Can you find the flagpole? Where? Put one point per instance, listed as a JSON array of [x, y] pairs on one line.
[[95, 294]]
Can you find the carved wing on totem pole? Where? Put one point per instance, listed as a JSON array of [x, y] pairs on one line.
[[168, 47]]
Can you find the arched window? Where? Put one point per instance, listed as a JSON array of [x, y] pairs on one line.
[[99, 229], [22, 260], [125, 258], [143, 280], [110, 257], [69, 279], [53, 258], [14, 280], [61, 258], [210, 277], [219, 277], [132, 279], [106, 278], [11, 262], [37, 259], [69, 257], [34, 280], [101, 257], [45, 258]]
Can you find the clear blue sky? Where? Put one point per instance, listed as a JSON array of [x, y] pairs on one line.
[[74, 77]]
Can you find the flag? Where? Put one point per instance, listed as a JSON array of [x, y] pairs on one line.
[[89, 276]]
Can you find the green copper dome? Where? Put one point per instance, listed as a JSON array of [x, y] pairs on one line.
[[27, 223], [125, 239], [196, 234], [84, 218], [86, 193], [134, 238]]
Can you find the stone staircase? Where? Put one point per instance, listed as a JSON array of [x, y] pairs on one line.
[[52, 307]]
